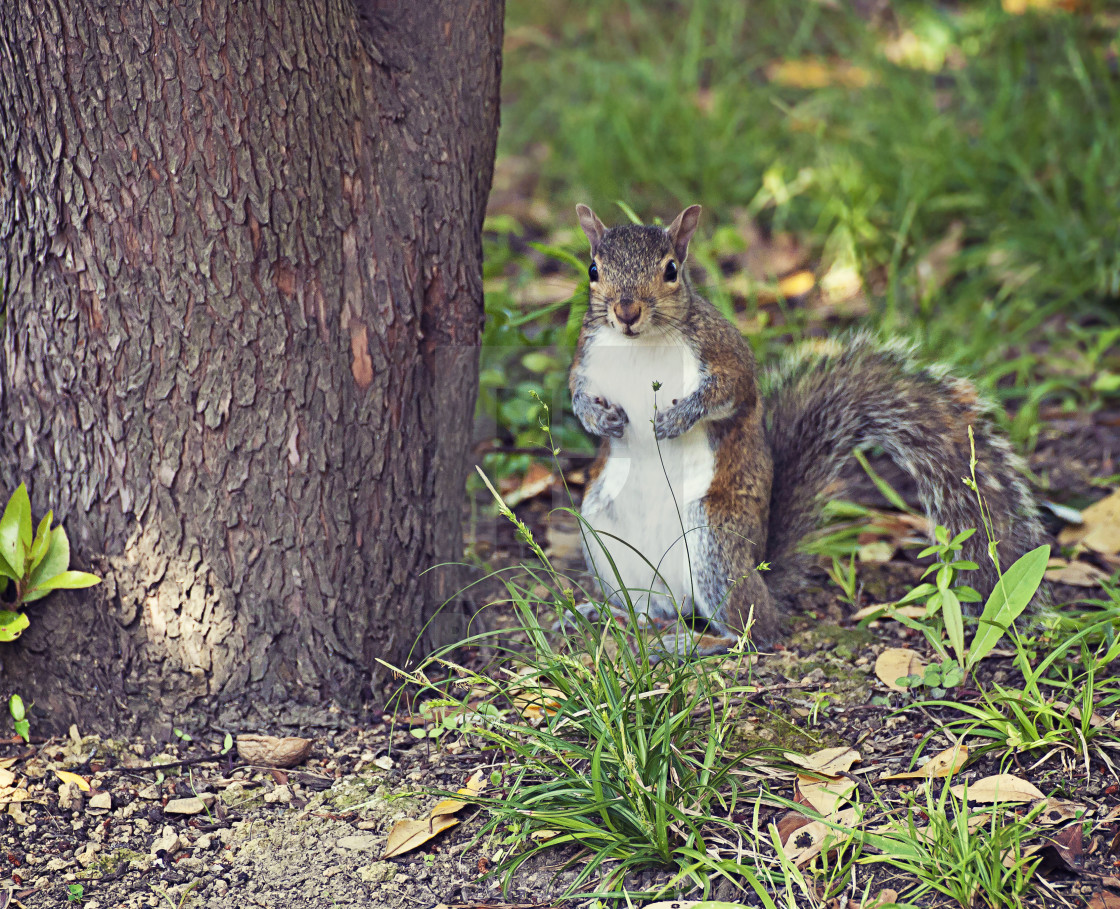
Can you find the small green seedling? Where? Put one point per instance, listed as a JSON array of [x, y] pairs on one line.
[[937, 676], [19, 717], [75, 893], [34, 561]]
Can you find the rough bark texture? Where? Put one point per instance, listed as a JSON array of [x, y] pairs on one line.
[[240, 264]]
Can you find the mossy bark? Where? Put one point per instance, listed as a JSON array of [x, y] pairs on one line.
[[240, 265]]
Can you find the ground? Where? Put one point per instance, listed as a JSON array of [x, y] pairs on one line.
[[315, 834]]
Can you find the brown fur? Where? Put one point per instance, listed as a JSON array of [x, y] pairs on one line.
[[778, 452]]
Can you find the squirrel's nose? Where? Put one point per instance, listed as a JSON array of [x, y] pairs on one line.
[[627, 312]]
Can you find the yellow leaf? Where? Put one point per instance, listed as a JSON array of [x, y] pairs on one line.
[[940, 765], [407, 834], [67, 777], [476, 783], [895, 663], [800, 282], [1003, 787], [813, 72]]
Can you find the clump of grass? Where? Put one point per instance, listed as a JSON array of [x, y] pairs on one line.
[[973, 858], [628, 757]]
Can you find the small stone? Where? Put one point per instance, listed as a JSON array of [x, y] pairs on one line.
[[357, 843], [150, 792], [193, 805], [100, 801], [281, 794], [86, 855], [170, 844]]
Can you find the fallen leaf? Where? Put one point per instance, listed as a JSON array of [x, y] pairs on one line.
[[408, 833], [831, 761], [940, 765], [805, 843], [895, 663], [1002, 787], [538, 479], [7, 778], [813, 72], [1062, 851], [1058, 811], [67, 777], [1103, 900], [797, 284], [1076, 574], [826, 796], [476, 783], [1100, 527], [271, 751]]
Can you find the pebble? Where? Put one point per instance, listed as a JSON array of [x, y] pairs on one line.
[[100, 801]]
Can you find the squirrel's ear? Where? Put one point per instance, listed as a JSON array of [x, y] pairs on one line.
[[682, 229], [591, 225]]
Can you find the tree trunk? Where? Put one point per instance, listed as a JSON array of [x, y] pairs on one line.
[[240, 261]]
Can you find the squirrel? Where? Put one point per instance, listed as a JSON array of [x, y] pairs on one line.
[[708, 470]]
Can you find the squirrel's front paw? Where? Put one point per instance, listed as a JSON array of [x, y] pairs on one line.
[[676, 420], [599, 417]]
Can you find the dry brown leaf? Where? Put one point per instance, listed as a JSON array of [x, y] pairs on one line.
[[408, 833], [7, 778], [1058, 811], [831, 761], [271, 751], [1100, 527], [826, 796], [538, 479], [67, 777], [805, 843], [1002, 787], [476, 783], [895, 663], [1104, 900], [5, 763], [1076, 574], [940, 765]]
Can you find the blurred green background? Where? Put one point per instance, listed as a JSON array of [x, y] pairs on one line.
[[947, 172]]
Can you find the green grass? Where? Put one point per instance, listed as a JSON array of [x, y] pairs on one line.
[[1007, 140]]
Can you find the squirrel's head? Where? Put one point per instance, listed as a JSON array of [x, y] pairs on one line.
[[637, 273]]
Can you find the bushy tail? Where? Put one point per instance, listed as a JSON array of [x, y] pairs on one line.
[[827, 399]]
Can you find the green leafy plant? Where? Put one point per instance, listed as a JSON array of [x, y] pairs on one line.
[[1058, 716], [34, 561], [448, 717], [75, 893], [937, 676], [19, 717]]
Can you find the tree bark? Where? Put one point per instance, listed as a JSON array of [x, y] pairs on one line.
[[240, 262]]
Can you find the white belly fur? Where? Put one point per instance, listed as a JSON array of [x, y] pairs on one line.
[[647, 493]]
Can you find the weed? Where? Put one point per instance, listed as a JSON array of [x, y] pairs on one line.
[[33, 561], [970, 857]]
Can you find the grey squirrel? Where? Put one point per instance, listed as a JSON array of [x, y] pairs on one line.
[[707, 470]]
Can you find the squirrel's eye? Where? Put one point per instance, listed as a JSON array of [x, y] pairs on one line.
[[671, 270], [593, 272]]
